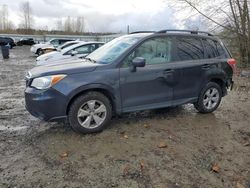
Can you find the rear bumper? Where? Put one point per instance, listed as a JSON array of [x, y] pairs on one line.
[[48, 105], [230, 84]]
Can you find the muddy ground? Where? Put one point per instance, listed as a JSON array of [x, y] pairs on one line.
[[169, 148]]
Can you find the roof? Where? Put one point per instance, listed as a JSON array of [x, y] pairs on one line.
[[176, 31]]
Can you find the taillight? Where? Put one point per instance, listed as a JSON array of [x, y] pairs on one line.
[[232, 63]]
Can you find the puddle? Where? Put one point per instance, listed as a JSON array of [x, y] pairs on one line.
[[5, 128]]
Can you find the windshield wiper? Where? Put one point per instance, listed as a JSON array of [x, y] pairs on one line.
[[92, 60]]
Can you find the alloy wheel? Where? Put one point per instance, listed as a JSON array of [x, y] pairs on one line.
[[211, 98], [92, 114]]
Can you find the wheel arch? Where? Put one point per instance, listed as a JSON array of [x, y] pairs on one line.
[[221, 83], [105, 90], [38, 50], [217, 76]]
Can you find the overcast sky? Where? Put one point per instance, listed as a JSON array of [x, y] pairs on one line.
[[105, 15]]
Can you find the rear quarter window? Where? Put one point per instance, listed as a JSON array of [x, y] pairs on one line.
[[189, 48], [214, 49], [222, 52], [211, 48]]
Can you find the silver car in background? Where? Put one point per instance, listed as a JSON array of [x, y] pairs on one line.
[[79, 50]]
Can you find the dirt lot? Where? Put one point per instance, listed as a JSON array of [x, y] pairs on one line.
[[169, 148]]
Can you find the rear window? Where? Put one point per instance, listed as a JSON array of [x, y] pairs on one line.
[[189, 48]]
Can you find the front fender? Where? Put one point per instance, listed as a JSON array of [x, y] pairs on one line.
[[115, 97], [91, 87]]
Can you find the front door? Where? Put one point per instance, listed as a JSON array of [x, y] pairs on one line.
[[150, 86]]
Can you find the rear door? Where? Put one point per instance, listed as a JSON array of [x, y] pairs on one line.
[[150, 86], [190, 63]]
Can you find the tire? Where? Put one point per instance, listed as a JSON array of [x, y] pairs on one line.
[[39, 52], [211, 92], [87, 115]]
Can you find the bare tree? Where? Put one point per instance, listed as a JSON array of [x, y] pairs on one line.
[[26, 15], [232, 16], [68, 25], [4, 14], [74, 25], [5, 24], [80, 25], [59, 24]]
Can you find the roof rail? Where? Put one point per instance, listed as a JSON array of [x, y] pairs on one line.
[[142, 32], [184, 31]]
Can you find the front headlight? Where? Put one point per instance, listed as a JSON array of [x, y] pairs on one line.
[[47, 81]]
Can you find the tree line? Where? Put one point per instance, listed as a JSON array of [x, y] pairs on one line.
[[69, 25]]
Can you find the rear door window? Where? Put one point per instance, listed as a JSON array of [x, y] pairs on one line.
[[189, 48]]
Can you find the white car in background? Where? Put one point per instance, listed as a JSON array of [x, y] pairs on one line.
[[59, 48], [75, 51], [37, 48]]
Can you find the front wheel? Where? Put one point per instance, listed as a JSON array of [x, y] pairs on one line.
[[40, 52], [209, 98], [90, 112]]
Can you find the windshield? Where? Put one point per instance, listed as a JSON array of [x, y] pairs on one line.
[[113, 49]]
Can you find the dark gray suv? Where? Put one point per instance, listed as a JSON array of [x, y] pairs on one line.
[[139, 71]]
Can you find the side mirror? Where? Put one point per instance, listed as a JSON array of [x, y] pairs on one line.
[[73, 53], [138, 62]]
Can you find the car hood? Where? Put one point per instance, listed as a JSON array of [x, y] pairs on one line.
[[47, 55], [59, 61], [41, 45], [69, 67]]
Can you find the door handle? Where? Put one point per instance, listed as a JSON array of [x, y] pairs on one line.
[[206, 66], [168, 71]]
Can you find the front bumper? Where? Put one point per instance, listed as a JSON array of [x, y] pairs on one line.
[[33, 49], [48, 105]]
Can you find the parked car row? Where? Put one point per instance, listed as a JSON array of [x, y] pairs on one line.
[[7, 41], [71, 51], [26, 41], [40, 48], [139, 71], [11, 42]]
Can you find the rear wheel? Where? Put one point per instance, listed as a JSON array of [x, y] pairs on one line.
[[90, 112], [209, 99]]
